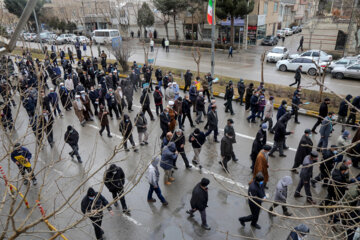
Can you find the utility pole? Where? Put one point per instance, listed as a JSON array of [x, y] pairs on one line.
[[350, 27], [213, 39], [38, 30]]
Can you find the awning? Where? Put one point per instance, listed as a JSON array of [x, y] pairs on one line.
[[237, 22]]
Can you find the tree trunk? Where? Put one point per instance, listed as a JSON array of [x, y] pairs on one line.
[[262, 67], [166, 29], [192, 28], [232, 31], [176, 37], [357, 48]]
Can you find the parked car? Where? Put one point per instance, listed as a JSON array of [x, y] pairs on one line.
[[349, 71], [288, 31], [292, 64], [65, 38], [30, 37], [82, 39], [280, 33], [295, 29], [277, 53], [270, 41], [345, 61], [314, 55]]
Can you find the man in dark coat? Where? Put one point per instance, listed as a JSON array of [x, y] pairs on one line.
[[305, 177], [229, 130], [258, 144], [226, 150], [71, 137], [304, 149], [299, 232], [91, 205], [188, 77], [327, 164], [241, 91], [46, 122], [104, 121], [352, 115], [126, 130], [164, 122], [295, 106], [193, 94], [199, 200], [248, 95], [197, 139], [282, 110], [280, 134], [186, 105], [179, 140], [213, 123], [112, 104], [297, 76], [337, 187], [254, 106], [115, 181], [228, 97], [343, 112], [200, 107], [256, 189], [301, 44], [94, 98], [323, 112], [145, 103], [129, 92], [158, 96]]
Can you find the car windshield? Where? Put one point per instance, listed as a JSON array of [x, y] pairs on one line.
[[277, 50], [268, 38]]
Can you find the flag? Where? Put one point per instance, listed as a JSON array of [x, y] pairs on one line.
[[210, 12]]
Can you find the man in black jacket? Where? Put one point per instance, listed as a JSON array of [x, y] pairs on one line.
[[115, 181], [179, 140], [258, 144], [46, 122], [213, 123], [91, 205], [228, 97], [188, 77], [186, 105], [226, 150], [126, 130], [145, 103], [279, 137], [229, 130], [164, 122], [297, 76], [323, 112], [326, 166], [197, 139], [71, 137], [256, 189], [343, 112], [199, 200], [304, 149], [241, 90], [337, 187]]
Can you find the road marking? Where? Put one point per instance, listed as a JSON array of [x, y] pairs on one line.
[[132, 220], [113, 134]]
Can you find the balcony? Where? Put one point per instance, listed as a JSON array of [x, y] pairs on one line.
[[293, 2]]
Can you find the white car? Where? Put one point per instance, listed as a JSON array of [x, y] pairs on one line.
[[345, 61], [82, 40], [277, 53], [292, 64], [280, 33], [314, 55], [288, 31]]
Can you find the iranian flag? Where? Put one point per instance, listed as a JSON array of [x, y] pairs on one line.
[[210, 12]]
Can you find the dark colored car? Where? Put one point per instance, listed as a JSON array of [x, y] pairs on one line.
[[270, 41]]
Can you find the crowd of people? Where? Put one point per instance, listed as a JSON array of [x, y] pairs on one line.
[[94, 89]]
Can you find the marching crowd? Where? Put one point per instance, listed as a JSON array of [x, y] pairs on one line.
[[93, 88]]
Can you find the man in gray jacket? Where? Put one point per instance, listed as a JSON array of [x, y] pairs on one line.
[[141, 125], [305, 177], [153, 175], [325, 131], [281, 194]]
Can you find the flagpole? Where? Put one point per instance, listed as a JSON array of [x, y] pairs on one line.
[[213, 42]]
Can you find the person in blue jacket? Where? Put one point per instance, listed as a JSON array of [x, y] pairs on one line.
[[21, 157], [168, 157]]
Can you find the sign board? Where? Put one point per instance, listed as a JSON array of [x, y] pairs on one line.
[[261, 20], [116, 42]]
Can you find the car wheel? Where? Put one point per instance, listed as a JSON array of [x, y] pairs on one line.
[[312, 71], [339, 75], [283, 68]]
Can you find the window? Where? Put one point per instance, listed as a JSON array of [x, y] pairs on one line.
[[355, 67], [316, 54], [306, 60], [306, 54], [275, 7], [265, 8], [341, 62], [297, 60]]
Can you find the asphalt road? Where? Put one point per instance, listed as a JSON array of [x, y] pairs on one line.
[[245, 64], [153, 221]]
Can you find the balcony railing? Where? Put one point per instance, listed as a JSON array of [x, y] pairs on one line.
[[288, 1]]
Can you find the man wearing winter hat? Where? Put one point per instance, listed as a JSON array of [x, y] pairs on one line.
[[304, 149], [299, 232], [269, 112], [91, 205], [199, 200], [258, 144]]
